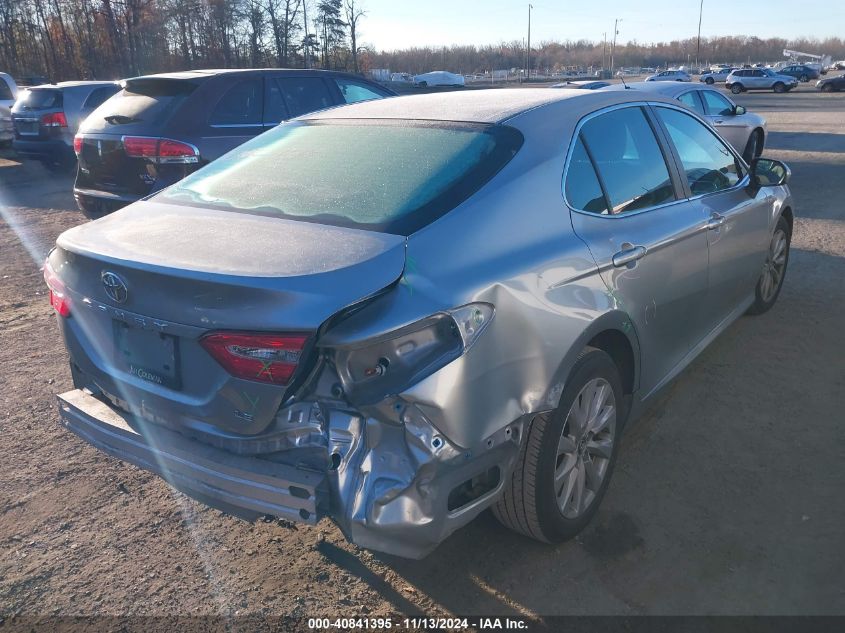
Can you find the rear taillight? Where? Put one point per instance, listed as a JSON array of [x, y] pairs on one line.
[[58, 293], [160, 150], [77, 144], [269, 358], [54, 119]]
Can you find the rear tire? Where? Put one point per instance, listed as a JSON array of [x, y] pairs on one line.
[[567, 455], [709, 81], [827, 88], [803, 79], [736, 88], [779, 87], [774, 269]]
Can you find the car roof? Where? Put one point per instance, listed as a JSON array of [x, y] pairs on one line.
[[666, 88], [478, 106], [211, 72]]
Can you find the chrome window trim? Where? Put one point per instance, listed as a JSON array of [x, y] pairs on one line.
[[647, 104]]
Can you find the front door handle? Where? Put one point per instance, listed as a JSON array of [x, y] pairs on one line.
[[629, 255], [715, 221]]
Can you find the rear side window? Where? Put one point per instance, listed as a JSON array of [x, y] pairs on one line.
[[388, 176], [583, 190], [240, 105], [354, 91], [708, 163], [40, 99], [275, 110], [628, 160], [145, 100], [98, 96], [5, 90], [691, 101], [305, 94]]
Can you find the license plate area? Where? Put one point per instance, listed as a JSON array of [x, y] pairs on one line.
[[150, 356]]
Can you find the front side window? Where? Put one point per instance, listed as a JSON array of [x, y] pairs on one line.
[[691, 101], [716, 104], [354, 91], [394, 177], [628, 160], [240, 105], [707, 162]]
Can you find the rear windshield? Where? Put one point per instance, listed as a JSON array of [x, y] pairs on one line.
[[39, 99], [390, 176], [145, 100]]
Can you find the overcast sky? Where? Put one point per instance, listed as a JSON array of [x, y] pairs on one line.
[[392, 24]]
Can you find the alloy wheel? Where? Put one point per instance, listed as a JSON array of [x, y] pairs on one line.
[[585, 448], [774, 267]]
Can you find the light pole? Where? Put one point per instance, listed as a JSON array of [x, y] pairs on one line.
[[613, 45], [698, 45], [528, 74], [604, 53]]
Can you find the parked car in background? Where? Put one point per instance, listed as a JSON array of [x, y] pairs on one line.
[[745, 131], [716, 76], [47, 117], [586, 84], [8, 90], [438, 78], [831, 84], [670, 75], [743, 79], [801, 72], [31, 80], [840, 65], [257, 336], [159, 128], [7, 129]]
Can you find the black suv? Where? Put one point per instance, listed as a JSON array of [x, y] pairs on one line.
[[160, 128]]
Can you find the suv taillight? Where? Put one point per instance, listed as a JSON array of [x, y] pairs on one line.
[[261, 357], [160, 150], [77, 144], [58, 293], [54, 119]]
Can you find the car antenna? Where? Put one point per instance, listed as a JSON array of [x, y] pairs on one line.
[[622, 77]]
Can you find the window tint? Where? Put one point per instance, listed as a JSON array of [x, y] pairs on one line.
[[305, 94], [707, 162], [394, 177], [354, 91], [38, 98], [628, 160], [691, 101], [240, 105], [583, 190], [716, 104], [98, 96], [5, 90], [275, 110]]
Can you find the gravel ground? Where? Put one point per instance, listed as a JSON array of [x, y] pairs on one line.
[[727, 498]]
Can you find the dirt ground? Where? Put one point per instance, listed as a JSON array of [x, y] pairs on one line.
[[727, 499]]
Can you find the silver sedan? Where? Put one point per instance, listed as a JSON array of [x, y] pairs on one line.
[[744, 130], [399, 313]]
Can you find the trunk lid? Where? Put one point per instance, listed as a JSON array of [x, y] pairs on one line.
[[189, 271]]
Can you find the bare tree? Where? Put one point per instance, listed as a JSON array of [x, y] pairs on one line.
[[354, 12]]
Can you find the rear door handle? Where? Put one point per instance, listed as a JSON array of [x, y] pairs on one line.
[[715, 221], [630, 254]]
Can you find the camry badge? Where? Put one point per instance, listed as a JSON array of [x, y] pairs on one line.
[[115, 286]]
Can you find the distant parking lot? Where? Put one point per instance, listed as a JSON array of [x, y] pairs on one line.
[[727, 497]]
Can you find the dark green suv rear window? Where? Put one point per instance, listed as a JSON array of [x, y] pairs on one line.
[[386, 175]]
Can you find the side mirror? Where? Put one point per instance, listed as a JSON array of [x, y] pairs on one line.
[[767, 172], [739, 110]]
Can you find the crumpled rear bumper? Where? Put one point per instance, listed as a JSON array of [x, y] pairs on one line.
[[245, 486], [395, 488]]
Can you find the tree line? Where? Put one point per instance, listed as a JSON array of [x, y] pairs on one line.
[[107, 39]]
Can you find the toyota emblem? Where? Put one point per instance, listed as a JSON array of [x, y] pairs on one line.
[[115, 287]]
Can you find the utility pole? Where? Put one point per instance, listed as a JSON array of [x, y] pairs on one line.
[[698, 45], [604, 53], [528, 75], [613, 45], [307, 41]]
